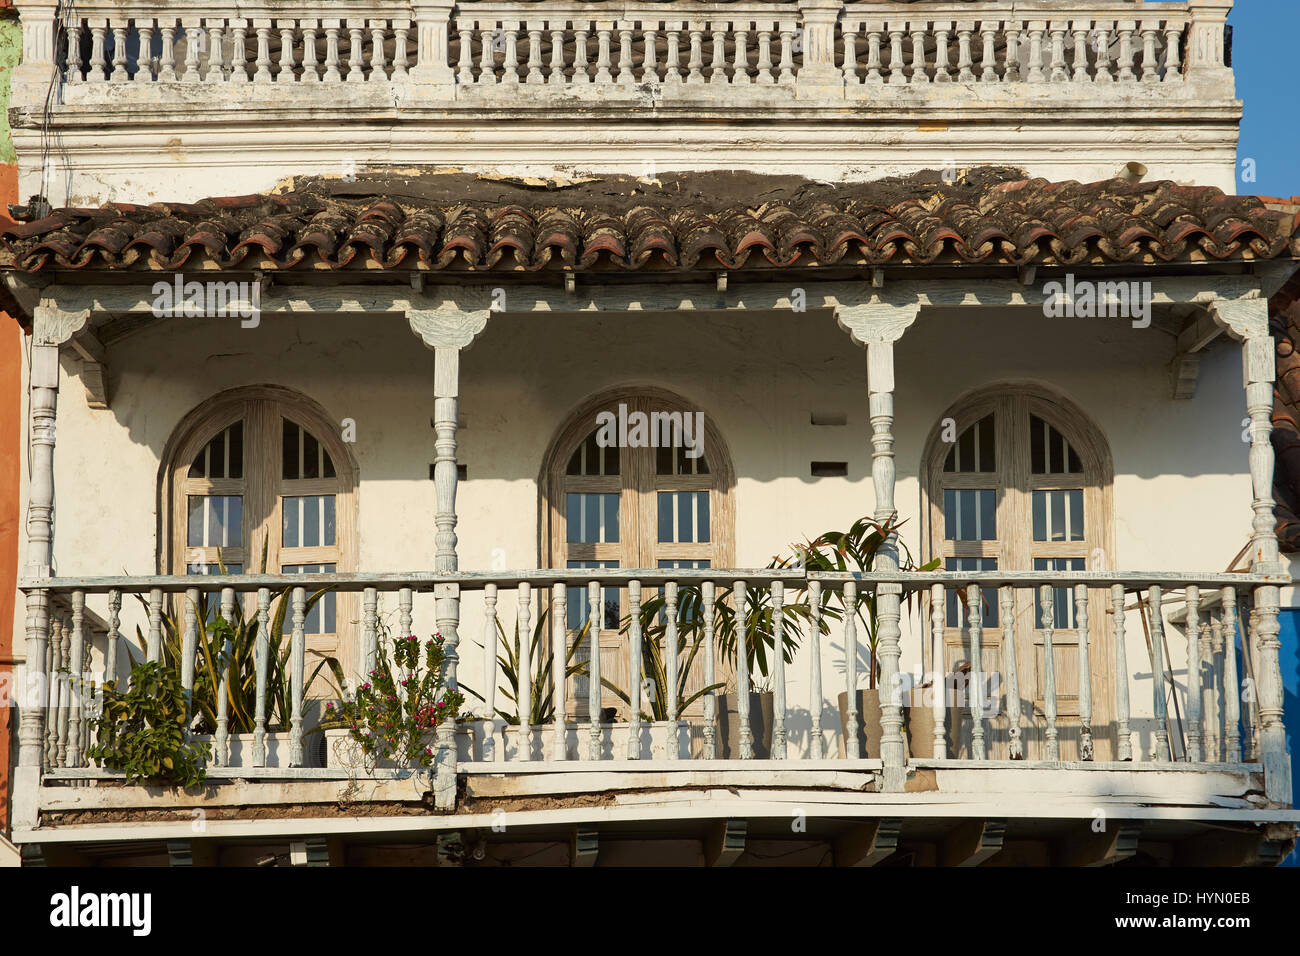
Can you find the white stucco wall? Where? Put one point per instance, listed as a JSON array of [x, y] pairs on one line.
[[1181, 494]]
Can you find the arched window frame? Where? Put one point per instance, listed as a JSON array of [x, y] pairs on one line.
[[262, 409]]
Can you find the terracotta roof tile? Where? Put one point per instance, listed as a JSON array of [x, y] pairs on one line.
[[1007, 221]]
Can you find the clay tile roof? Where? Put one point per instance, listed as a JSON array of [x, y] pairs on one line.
[[462, 223]]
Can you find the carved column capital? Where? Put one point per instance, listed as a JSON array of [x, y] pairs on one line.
[[878, 320]]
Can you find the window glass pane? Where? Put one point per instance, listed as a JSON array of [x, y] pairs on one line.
[[308, 521], [223, 456], [970, 514], [579, 611], [215, 521], [975, 449], [1058, 515], [322, 618], [683, 517], [956, 607], [290, 468], [591, 517], [1062, 598], [1049, 452], [590, 458], [310, 455]]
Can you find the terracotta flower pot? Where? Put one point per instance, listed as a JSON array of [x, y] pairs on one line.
[[760, 725]]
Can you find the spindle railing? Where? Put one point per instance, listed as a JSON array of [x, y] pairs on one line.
[[1208, 716]]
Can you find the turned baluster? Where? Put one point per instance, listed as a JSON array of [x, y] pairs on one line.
[[153, 650], [1155, 605], [975, 688], [718, 58], [1036, 30], [401, 61], [524, 702], [216, 52], [765, 76], [114, 636], [298, 657], [559, 666], [634, 639], [938, 681], [650, 58], [670, 669], [1150, 61], [1173, 43], [76, 678], [919, 74], [815, 668], [222, 667], [239, 51], [695, 64], [490, 750], [851, 749], [942, 32], [1231, 678], [740, 55], [964, 58], [746, 735], [625, 75], [1047, 598], [1126, 29], [1121, 674], [262, 665], [708, 596], [487, 64], [535, 74], [1081, 600], [97, 60], [287, 63], [1195, 730], [593, 671], [1059, 72], [465, 60], [897, 75], [1102, 69], [310, 70], [72, 72], [580, 34], [65, 688], [1015, 747], [1213, 631], [378, 63], [332, 72], [193, 44], [989, 58], [369, 632], [167, 54], [119, 74], [356, 51], [54, 681], [510, 65], [189, 648], [874, 33], [557, 53], [263, 30], [850, 40], [1080, 35], [1011, 70], [786, 76]]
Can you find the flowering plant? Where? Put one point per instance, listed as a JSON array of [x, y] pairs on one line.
[[401, 702]]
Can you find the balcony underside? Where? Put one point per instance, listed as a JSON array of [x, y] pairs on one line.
[[809, 813]]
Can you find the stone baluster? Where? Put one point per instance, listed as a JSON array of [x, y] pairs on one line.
[[718, 57], [634, 639], [1080, 34], [310, 65], [72, 71], [119, 74], [815, 668], [919, 74], [581, 31], [975, 688], [708, 595], [593, 670], [263, 30], [285, 73], [465, 62], [193, 52], [695, 64], [559, 667], [625, 75], [167, 52], [1126, 28], [965, 59], [849, 38], [740, 54], [1150, 30], [401, 58], [1081, 603], [1007, 601], [153, 648], [332, 72], [216, 51], [604, 52], [490, 751], [356, 51], [1047, 597], [77, 678], [405, 619], [298, 664], [875, 31], [378, 62], [1231, 678], [938, 680], [786, 76], [1155, 605], [1102, 69], [487, 64], [989, 57], [369, 632], [114, 636], [556, 76], [1057, 31], [765, 75], [261, 664], [1036, 29], [1125, 742], [535, 74], [1011, 71], [942, 32], [524, 698], [239, 51], [97, 57], [896, 75], [746, 735], [672, 731], [1195, 677], [1173, 44]]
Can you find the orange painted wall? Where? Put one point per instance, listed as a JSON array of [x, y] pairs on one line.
[[11, 434]]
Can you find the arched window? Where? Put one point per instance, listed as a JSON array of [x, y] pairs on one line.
[[1019, 479], [262, 471], [617, 496]]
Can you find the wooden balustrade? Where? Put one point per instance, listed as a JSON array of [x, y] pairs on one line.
[[549, 43], [979, 713]]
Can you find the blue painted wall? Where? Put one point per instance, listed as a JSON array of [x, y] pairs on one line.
[[1290, 654]]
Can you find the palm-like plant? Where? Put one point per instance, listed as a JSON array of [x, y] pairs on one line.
[[543, 705]]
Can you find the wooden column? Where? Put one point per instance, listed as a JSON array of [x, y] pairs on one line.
[[1247, 319]]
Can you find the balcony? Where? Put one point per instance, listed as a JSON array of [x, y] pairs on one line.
[[650, 83]]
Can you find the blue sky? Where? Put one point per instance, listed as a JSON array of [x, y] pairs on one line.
[[1268, 80]]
